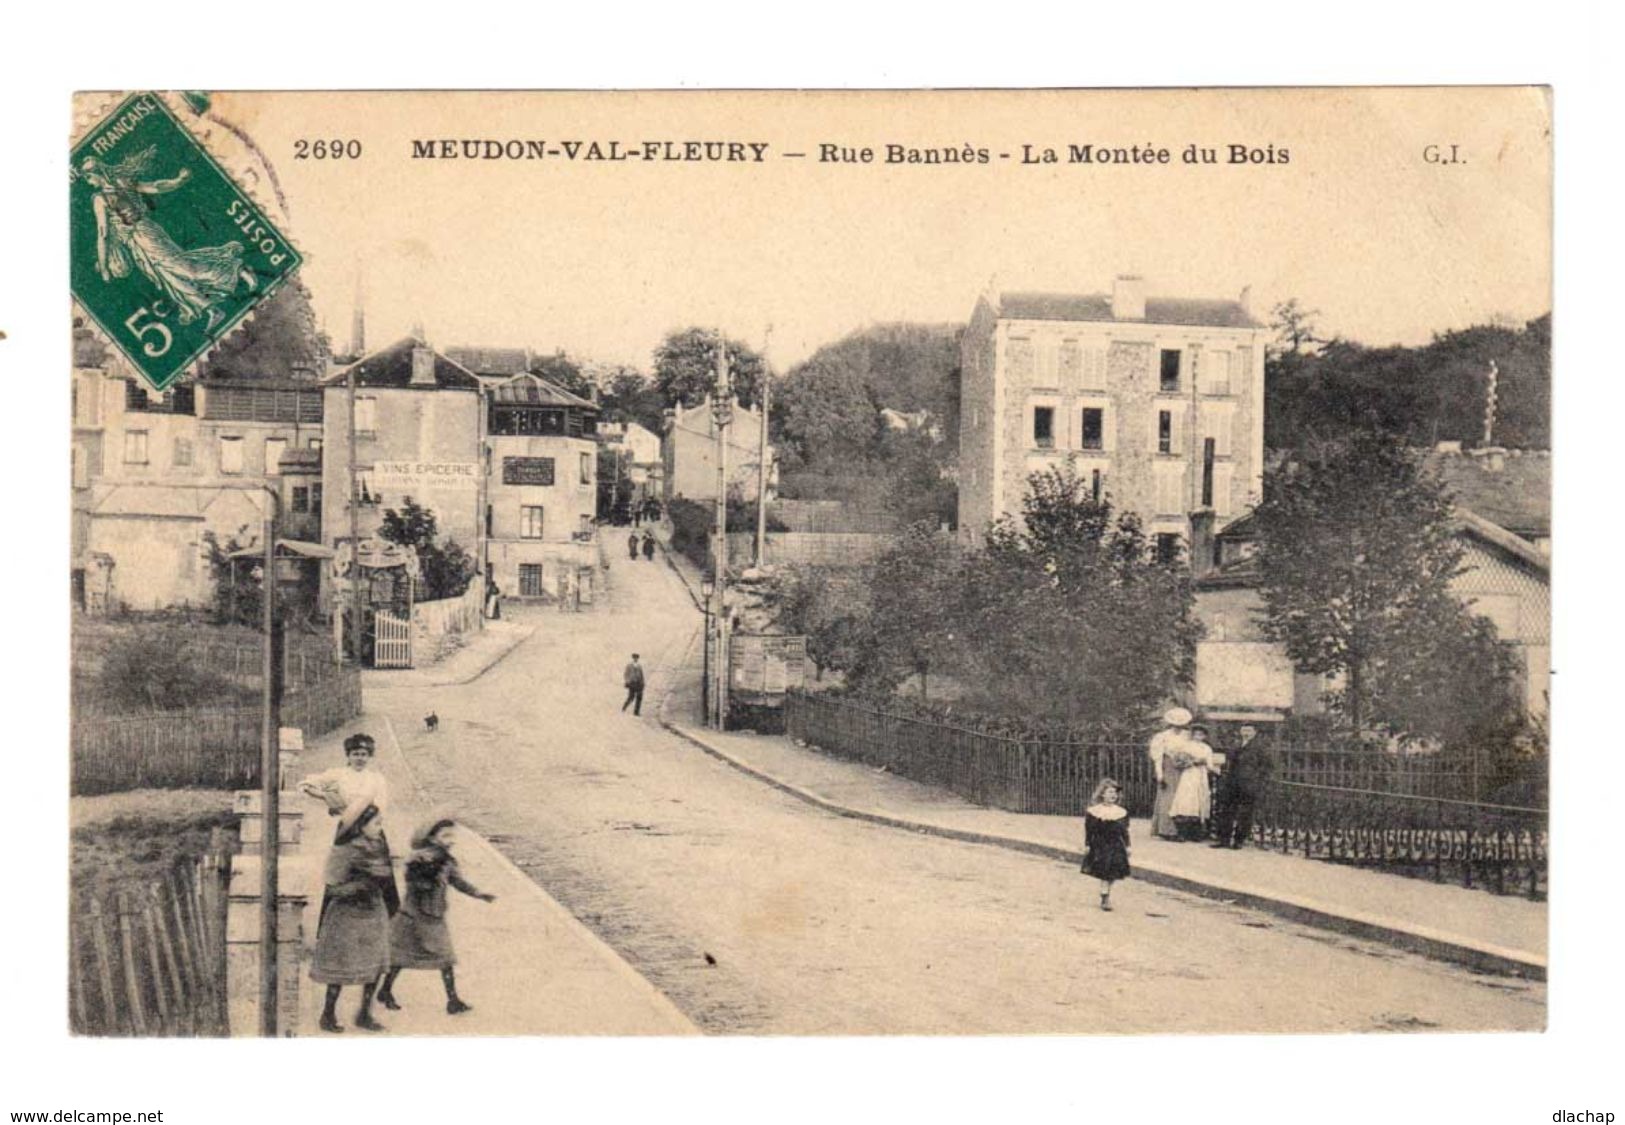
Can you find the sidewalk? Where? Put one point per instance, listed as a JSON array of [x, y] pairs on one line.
[[488, 646], [1494, 933], [524, 962]]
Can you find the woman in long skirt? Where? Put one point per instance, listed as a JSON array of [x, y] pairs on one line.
[[1105, 839], [419, 937], [348, 789], [352, 938]]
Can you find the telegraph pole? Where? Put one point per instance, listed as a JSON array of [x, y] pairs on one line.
[[762, 465], [355, 534], [270, 779], [721, 414]]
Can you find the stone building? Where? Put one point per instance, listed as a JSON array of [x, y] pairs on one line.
[[417, 434], [541, 469], [689, 454], [1157, 402]]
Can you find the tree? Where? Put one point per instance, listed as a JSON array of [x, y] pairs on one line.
[[629, 396], [236, 597], [914, 593], [686, 368], [1076, 619], [280, 341], [1356, 556], [445, 567], [1296, 333], [833, 615]]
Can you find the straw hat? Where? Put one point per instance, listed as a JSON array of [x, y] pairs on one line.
[[1176, 717]]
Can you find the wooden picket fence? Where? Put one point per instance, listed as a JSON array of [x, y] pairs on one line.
[[152, 961], [218, 749]]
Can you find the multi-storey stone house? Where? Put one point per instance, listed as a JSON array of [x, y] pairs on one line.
[[1156, 402]]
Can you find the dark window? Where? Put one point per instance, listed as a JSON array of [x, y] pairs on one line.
[[530, 580], [1167, 547], [135, 399], [1170, 369], [316, 498], [1094, 486], [301, 498], [1094, 428], [1207, 472], [1044, 427], [489, 520], [185, 401], [1165, 431]]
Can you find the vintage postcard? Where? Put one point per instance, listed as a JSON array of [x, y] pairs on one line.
[[1085, 557]]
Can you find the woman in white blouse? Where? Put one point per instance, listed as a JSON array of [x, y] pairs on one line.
[[354, 786]]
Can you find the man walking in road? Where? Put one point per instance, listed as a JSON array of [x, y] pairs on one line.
[[632, 546], [1246, 770], [648, 546], [633, 678]]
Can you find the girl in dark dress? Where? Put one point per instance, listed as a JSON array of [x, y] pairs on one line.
[[419, 937], [1105, 839]]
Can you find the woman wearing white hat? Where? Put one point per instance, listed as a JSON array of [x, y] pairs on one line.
[[1170, 754]]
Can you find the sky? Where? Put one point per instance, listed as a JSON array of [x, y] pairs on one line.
[[601, 259]]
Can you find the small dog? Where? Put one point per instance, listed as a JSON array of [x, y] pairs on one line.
[[431, 722]]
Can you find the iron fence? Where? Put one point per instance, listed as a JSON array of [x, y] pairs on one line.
[[1404, 815], [1498, 847], [1020, 775]]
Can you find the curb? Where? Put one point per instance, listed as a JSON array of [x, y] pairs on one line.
[[498, 659], [1434, 945], [681, 1024]]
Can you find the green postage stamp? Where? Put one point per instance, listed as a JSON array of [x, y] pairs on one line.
[[168, 254]]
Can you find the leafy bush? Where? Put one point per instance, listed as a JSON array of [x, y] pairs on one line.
[[160, 670]]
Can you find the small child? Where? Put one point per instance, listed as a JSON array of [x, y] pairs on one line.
[[419, 937], [1105, 839]]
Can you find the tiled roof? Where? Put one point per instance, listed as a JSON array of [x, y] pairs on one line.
[[392, 367], [1512, 489], [491, 361], [1098, 306], [535, 390]]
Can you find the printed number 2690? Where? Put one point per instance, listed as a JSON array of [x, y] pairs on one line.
[[327, 150]]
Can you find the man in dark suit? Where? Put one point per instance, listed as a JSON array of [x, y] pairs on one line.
[[633, 679], [1246, 771]]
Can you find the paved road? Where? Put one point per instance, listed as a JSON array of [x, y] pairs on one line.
[[820, 924]]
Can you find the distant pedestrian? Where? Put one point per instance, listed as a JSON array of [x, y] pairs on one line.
[[1246, 771], [419, 937], [1192, 803], [648, 546], [1105, 838], [352, 936], [632, 546], [633, 679], [493, 600], [1169, 757]]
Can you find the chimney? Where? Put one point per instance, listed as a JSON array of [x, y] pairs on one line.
[[1246, 300], [1128, 298], [422, 366], [1204, 547]]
